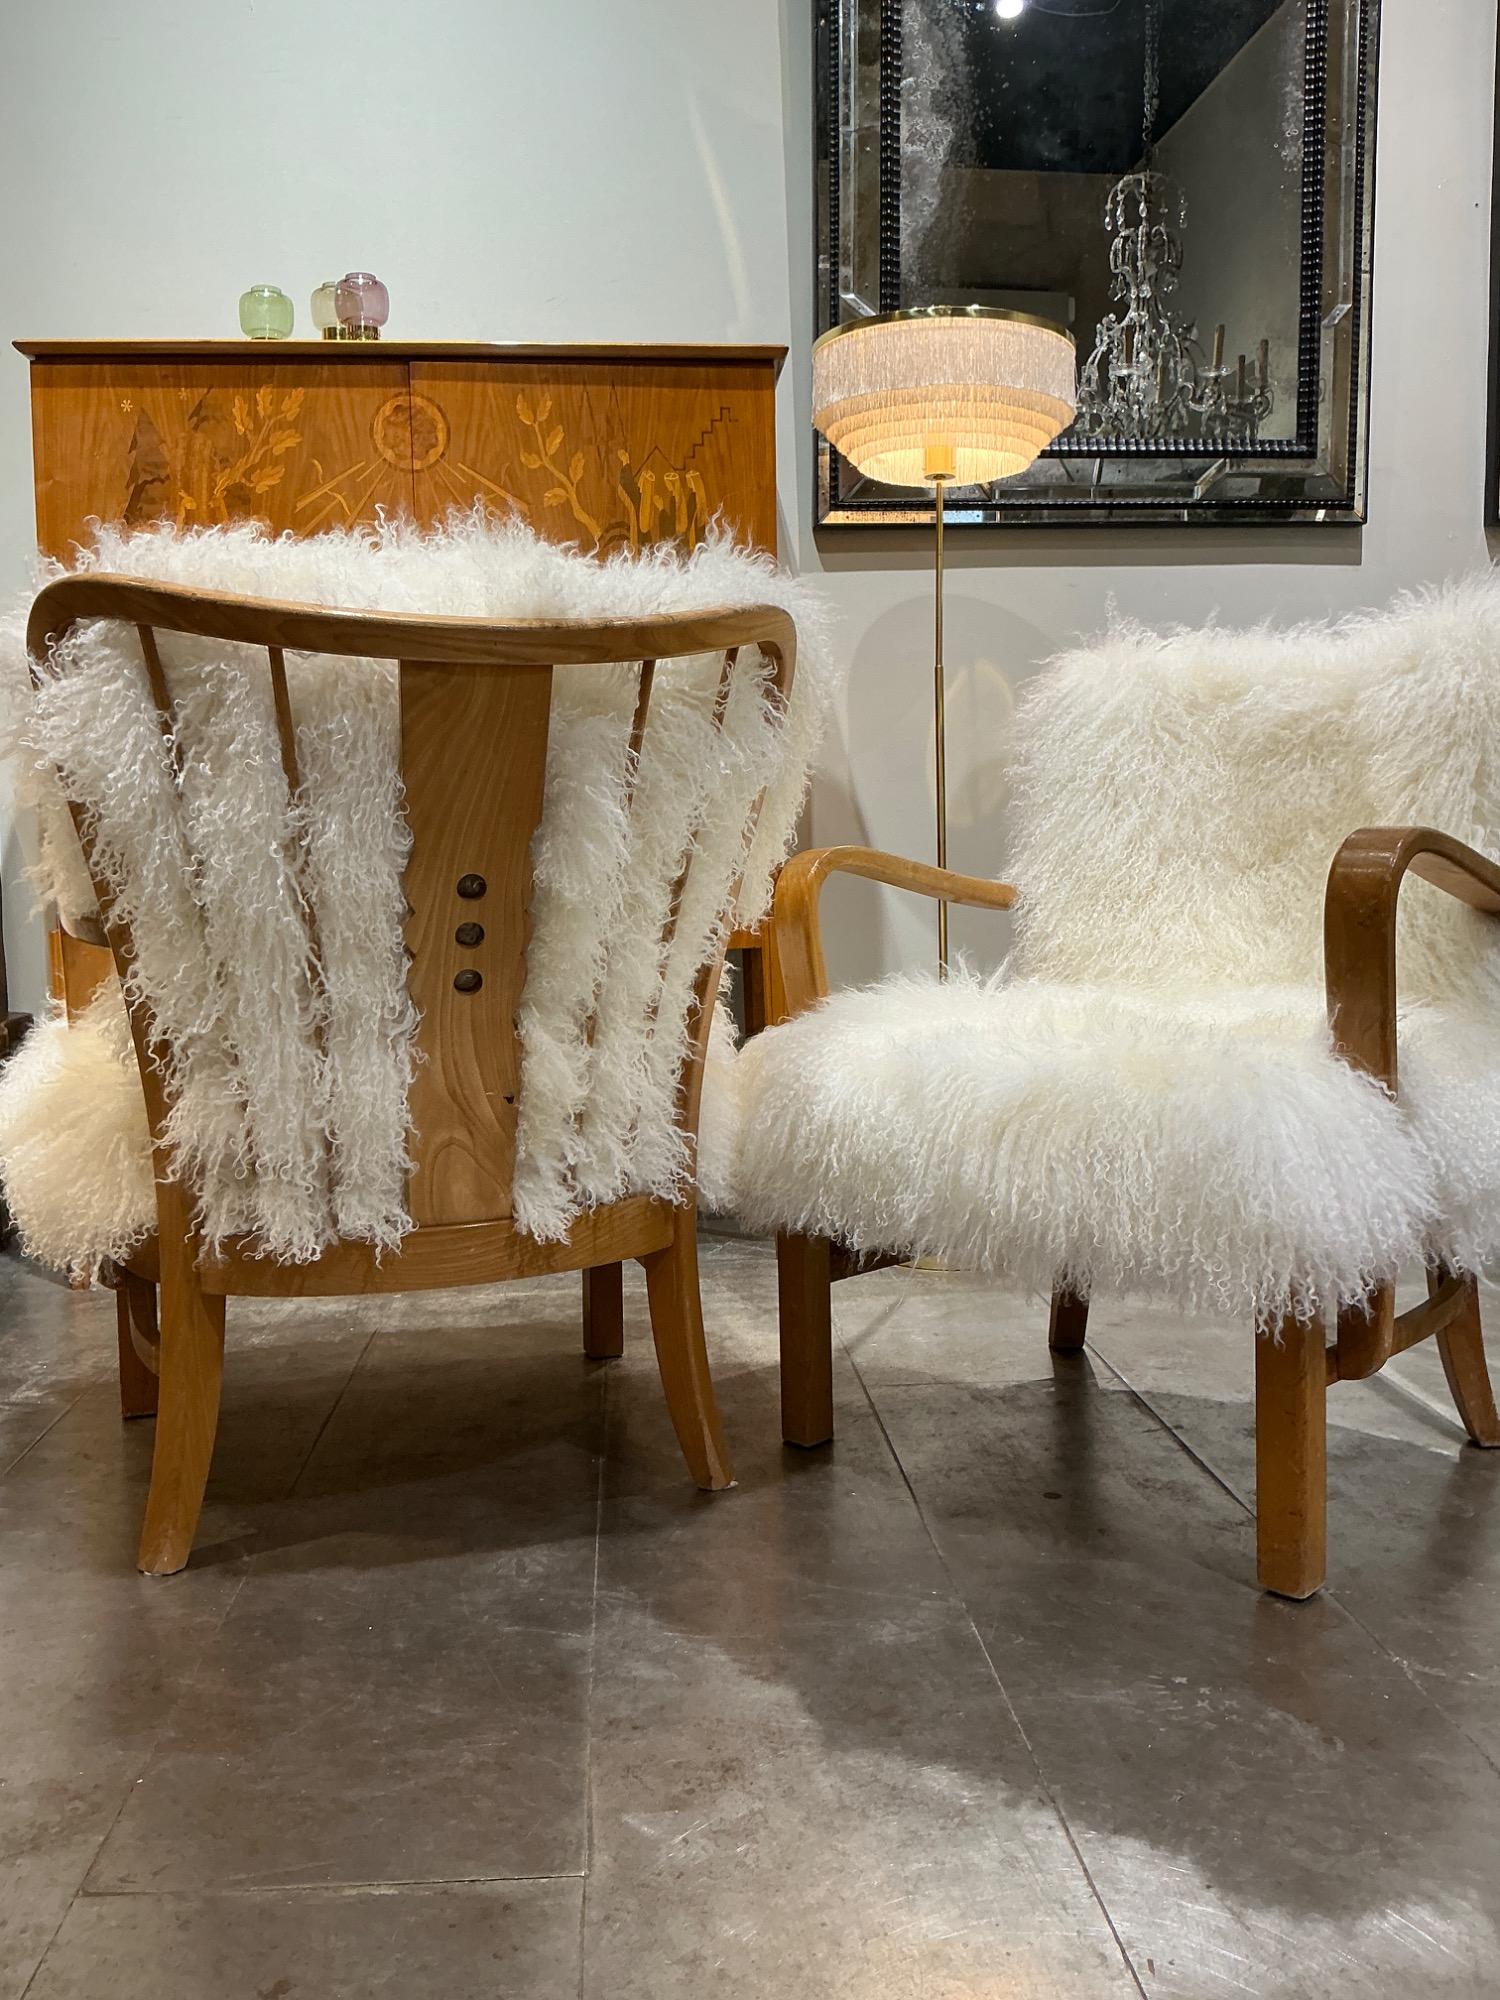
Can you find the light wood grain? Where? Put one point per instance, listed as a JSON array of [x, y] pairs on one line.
[[618, 454], [804, 1299], [1359, 941], [139, 1345], [473, 761], [81, 969], [604, 1312], [1460, 1341], [296, 445], [682, 1354], [1370, 1333], [190, 1377], [1359, 929], [1291, 1458], [309, 628], [797, 942], [438, 1257]]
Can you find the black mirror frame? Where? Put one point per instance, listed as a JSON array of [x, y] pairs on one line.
[[1318, 476]]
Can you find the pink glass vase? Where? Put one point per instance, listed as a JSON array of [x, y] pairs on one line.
[[364, 305]]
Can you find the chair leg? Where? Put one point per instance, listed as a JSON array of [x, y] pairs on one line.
[[1069, 1321], [1291, 1458], [1461, 1346], [135, 1326], [192, 1368], [804, 1291], [604, 1312], [682, 1353]]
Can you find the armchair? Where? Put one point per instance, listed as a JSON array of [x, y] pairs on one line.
[[1156, 1099], [472, 758]]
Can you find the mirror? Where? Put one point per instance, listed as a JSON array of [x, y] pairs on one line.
[[1185, 184]]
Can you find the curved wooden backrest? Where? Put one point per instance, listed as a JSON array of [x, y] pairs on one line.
[[475, 701]]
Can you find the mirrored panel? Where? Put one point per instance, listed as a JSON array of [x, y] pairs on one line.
[[1185, 184]]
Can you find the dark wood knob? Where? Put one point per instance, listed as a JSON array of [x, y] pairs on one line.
[[470, 886], [468, 981], [469, 934]]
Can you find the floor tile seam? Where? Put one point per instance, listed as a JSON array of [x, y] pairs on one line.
[[1060, 1813], [66, 1381], [127, 1791], [1158, 1417], [328, 1417], [622, 1596], [250, 1891], [149, 1752], [1415, 1679], [67, 1410], [1043, 1784], [600, 1488], [1391, 1381], [46, 1950], [1330, 1596]]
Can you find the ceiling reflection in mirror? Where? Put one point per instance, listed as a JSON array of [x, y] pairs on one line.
[[1184, 184]]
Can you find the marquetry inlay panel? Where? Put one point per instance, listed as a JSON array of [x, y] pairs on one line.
[[293, 445], [612, 448], [611, 457]]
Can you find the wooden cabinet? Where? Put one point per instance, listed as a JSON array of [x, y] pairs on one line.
[[609, 447]]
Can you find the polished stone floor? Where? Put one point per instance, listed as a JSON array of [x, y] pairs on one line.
[[468, 1694]]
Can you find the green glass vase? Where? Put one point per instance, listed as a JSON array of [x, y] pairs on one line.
[[265, 313]]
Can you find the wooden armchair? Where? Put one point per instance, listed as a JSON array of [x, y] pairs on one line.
[[1296, 1362], [474, 702]]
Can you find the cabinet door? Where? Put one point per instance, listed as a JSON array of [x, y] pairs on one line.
[[608, 454], [296, 444]]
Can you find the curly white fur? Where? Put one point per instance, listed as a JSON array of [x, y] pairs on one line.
[[287, 1091], [1148, 1099], [76, 1154]]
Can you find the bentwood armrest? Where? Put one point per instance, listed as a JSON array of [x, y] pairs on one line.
[[796, 930], [1359, 948], [1359, 929]]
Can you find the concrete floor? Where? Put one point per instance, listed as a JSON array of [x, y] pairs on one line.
[[467, 1693]]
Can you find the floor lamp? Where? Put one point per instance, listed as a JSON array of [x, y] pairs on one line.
[[943, 396]]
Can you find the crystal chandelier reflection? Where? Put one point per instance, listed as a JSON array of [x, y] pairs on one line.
[[1148, 375]]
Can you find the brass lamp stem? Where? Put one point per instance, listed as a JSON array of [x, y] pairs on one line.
[[939, 481]]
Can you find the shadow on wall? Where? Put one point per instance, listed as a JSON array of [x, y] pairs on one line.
[[888, 738], [1083, 548]]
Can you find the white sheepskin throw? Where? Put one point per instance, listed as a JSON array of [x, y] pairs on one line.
[[1147, 1099], [287, 1091]]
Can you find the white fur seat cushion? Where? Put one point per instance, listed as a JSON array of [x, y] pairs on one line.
[[1203, 1146]]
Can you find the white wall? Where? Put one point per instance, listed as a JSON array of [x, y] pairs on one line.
[[514, 169], [1016, 596], [574, 169]]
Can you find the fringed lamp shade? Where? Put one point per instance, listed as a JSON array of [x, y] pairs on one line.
[[960, 393]]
